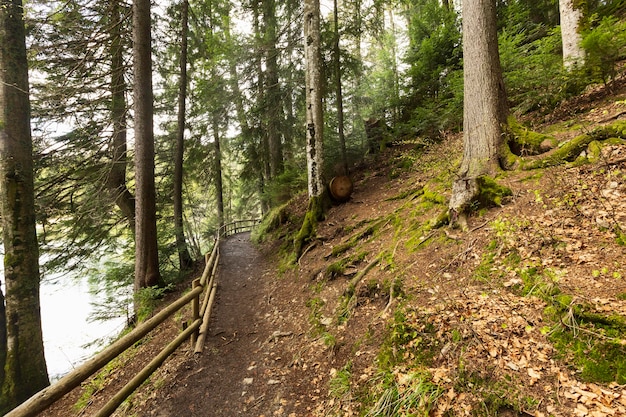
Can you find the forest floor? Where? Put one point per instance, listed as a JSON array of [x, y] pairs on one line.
[[522, 315]]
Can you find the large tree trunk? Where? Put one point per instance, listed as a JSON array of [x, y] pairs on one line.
[[314, 125], [573, 52], [339, 91], [146, 249], [116, 180], [273, 108], [21, 342], [184, 258], [314, 109], [484, 107]]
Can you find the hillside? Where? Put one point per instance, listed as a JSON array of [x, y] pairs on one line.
[[385, 315]]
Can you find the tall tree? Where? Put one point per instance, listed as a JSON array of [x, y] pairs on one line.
[[184, 258], [146, 248], [21, 342], [272, 109], [314, 109], [484, 107], [116, 180], [573, 52], [314, 124], [339, 90]]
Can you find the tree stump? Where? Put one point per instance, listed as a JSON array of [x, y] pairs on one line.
[[341, 188]]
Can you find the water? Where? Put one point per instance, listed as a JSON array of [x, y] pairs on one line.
[[68, 334], [66, 307]]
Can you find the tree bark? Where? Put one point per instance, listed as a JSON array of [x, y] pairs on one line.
[[314, 110], [184, 258], [484, 107], [273, 108], [339, 91], [219, 187], [146, 249], [116, 180], [573, 52], [21, 342]]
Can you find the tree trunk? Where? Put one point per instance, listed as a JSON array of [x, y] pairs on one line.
[[219, 188], [573, 53], [339, 92], [146, 249], [21, 342], [116, 180], [273, 108], [484, 107], [314, 110], [184, 258]]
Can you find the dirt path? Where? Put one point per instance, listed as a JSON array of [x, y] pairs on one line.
[[243, 370]]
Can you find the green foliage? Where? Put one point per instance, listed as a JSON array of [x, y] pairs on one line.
[[435, 91], [282, 188], [147, 299], [605, 46], [533, 71]]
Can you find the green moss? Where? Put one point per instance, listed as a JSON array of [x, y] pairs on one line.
[[366, 233], [571, 150], [272, 221], [315, 212], [410, 194], [524, 141], [491, 193]]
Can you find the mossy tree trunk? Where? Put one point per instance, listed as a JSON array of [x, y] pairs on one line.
[[484, 108], [21, 342], [314, 124]]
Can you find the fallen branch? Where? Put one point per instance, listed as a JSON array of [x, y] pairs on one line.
[[354, 281]]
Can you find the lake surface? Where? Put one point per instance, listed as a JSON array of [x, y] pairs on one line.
[[67, 304]]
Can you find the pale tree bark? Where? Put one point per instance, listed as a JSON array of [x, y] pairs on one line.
[[484, 107], [21, 342], [146, 249], [116, 179], [184, 258], [314, 125], [314, 110], [573, 52]]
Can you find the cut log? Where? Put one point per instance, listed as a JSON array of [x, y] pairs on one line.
[[341, 188]]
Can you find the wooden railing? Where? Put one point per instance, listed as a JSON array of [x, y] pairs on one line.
[[238, 226], [197, 330]]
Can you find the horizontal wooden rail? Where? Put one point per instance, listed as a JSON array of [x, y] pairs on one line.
[[238, 226], [197, 331], [44, 398]]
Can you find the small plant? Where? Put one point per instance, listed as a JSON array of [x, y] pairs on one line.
[[146, 300], [407, 394], [339, 385]]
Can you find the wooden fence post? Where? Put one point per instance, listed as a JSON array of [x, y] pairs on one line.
[[195, 310]]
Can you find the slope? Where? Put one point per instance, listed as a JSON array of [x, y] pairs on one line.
[[386, 315]]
